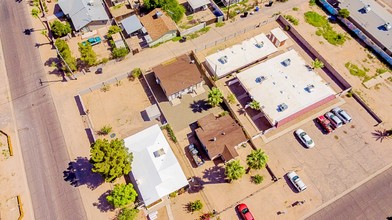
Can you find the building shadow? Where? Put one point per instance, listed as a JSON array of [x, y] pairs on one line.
[[79, 173], [199, 106], [155, 87], [103, 205]]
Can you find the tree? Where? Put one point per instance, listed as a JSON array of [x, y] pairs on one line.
[[257, 179], [195, 206], [136, 72], [35, 12], [254, 105], [317, 64], [113, 30], [119, 52], [231, 98], [105, 130], [110, 159], [127, 214], [87, 54], [215, 97], [59, 29], [234, 170], [65, 52], [344, 13], [257, 159], [172, 7], [122, 195]]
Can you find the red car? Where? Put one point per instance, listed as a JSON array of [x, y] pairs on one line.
[[325, 123], [245, 213]]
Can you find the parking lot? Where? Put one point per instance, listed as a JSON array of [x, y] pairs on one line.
[[338, 161]]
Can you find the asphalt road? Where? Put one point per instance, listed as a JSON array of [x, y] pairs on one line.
[[43, 145], [371, 200]]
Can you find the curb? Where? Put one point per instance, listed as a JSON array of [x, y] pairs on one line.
[[8, 142], [20, 205]]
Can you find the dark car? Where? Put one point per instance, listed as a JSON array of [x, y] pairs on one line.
[[244, 211]]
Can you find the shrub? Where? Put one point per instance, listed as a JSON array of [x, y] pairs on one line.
[[119, 52], [105, 88], [292, 19], [295, 9], [122, 195], [136, 72], [127, 214], [195, 206], [173, 194], [220, 24], [105, 60], [315, 19], [59, 29], [257, 179], [312, 2], [105, 130], [170, 132], [344, 13]]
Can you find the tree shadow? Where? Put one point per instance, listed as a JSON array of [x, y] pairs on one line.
[[215, 174], [196, 185], [200, 106], [79, 173], [103, 205], [380, 135]]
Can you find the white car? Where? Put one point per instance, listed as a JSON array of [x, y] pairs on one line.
[[305, 138], [336, 122], [296, 181]]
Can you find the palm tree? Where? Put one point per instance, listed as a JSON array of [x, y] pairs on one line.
[[254, 105], [215, 97], [234, 170], [317, 64], [257, 159]]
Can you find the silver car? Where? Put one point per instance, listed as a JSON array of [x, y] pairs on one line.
[[296, 181], [305, 138], [342, 115], [336, 122]]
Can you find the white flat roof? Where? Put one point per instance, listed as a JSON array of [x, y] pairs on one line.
[[240, 55], [156, 176], [279, 34], [284, 84]]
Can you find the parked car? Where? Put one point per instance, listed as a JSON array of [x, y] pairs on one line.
[[305, 138], [342, 115], [325, 123], [296, 181], [244, 211], [93, 41], [195, 155], [336, 122]]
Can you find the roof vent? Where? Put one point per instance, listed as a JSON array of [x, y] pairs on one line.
[[91, 2], [260, 45], [309, 88], [387, 26], [192, 61], [367, 8], [214, 139], [223, 133], [223, 59], [260, 79]]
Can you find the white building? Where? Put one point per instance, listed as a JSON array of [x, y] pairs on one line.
[[239, 56], [285, 87], [155, 168]]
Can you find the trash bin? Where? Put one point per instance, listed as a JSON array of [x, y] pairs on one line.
[[257, 8]]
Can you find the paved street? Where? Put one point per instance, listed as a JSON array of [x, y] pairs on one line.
[[371, 200], [42, 143]]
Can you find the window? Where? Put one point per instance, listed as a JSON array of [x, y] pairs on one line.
[[159, 152]]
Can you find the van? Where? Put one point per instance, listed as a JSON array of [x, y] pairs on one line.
[[342, 115], [336, 122]]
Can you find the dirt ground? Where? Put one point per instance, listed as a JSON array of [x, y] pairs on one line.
[[354, 52], [121, 107]]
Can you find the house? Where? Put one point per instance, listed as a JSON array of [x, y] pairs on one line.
[[155, 169], [159, 26], [220, 136], [86, 15], [286, 88], [118, 41], [198, 5], [178, 77], [239, 56], [278, 37], [131, 25]]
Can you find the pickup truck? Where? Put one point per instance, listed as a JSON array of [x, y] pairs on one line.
[[325, 123], [92, 40], [195, 155]]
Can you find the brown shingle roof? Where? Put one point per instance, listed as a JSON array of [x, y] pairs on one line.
[[177, 75], [157, 27], [227, 134]]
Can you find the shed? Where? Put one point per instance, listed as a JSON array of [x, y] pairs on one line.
[[278, 37], [131, 24], [118, 41], [153, 112], [197, 4]]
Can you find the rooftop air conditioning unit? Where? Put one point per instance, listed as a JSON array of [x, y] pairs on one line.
[[367, 8], [223, 59], [260, 45], [260, 79], [282, 107], [387, 26], [310, 88], [286, 62]]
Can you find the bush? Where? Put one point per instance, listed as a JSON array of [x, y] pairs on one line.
[[105, 130], [173, 194], [315, 19], [119, 52], [170, 132], [113, 30], [312, 2], [344, 13], [65, 52], [137, 72], [122, 195], [220, 24], [257, 179], [295, 9], [127, 214], [292, 19], [195, 206]]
